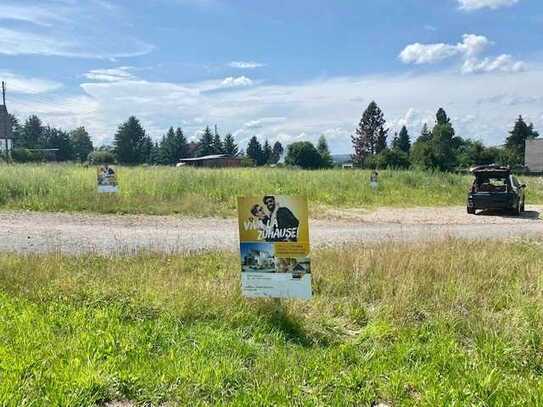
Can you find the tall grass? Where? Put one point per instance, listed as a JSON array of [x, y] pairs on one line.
[[208, 192], [434, 324]]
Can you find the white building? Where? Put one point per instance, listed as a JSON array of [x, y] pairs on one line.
[[534, 155]]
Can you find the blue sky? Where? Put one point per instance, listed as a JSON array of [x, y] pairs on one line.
[[282, 70]]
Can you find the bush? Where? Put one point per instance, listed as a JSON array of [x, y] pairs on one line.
[[303, 154], [22, 155], [101, 157], [388, 158]]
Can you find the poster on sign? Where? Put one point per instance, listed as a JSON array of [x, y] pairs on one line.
[[274, 246], [107, 179]]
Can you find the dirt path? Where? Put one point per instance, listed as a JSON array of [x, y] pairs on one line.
[[78, 233]]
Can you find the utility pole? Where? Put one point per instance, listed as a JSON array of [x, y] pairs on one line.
[[5, 121]]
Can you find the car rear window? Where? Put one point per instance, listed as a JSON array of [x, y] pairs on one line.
[[491, 184]]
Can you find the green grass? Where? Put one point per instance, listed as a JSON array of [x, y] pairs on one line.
[[207, 192], [436, 324]]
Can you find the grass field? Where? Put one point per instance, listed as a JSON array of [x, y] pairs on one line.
[[406, 325], [207, 192]]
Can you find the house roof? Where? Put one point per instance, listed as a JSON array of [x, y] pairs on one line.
[[206, 157]]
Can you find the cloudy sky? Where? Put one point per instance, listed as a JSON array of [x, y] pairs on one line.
[[281, 69]]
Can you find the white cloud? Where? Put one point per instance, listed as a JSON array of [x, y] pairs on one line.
[[502, 63], [31, 14], [21, 84], [417, 53], [121, 73], [470, 5], [232, 82], [471, 47], [260, 123], [301, 111], [67, 29], [245, 65]]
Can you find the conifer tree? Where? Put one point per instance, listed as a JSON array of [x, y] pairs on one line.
[[206, 143], [515, 143], [402, 141], [277, 152], [371, 134], [326, 157], [254, 151], [218, 147], [230, 146], [128, 144], [267, 153]]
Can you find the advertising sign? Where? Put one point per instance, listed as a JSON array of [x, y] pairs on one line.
[[274, 246], [106, 179]]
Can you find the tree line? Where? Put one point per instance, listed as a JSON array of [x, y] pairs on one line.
[[34, 141], [437, 148]]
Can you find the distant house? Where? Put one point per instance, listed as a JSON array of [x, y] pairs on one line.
[[6, 137], [213, 161], [534, 155]]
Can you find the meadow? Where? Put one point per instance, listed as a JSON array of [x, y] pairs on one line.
[[431, 324], [213, 192]]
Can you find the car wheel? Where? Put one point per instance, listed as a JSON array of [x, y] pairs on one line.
[[471, 211]]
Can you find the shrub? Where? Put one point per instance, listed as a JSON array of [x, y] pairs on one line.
[[101, 157], [22, 155]]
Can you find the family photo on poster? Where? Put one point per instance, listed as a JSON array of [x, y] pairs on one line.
[[106, 179], [274, 246]]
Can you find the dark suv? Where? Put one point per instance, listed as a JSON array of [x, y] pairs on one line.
[[495, 187]]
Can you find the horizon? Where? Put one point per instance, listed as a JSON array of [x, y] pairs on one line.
[[283, 72]]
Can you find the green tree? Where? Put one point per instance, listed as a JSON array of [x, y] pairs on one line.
[[173, 147], [421, 151], [181, 143], [515, 143], [402, 141], [59, 140], [425, 134], [303, 154], [167, 148], [267, 152], [230, 146], [392, 158], [101, 157], [154, 157], [130, 143], [277, 152], [475, 153], [371, 134], [206, 143], [255, 152], [326, 157], [218, 146], [146, 150], [443, 154], [32, 133], [82, 143]]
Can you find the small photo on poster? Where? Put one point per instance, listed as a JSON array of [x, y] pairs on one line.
[[261, 258], [107, 179]]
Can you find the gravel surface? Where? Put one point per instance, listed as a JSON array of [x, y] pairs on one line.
[[32, 232]]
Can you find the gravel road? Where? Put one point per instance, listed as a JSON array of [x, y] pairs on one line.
[[31, 232]]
